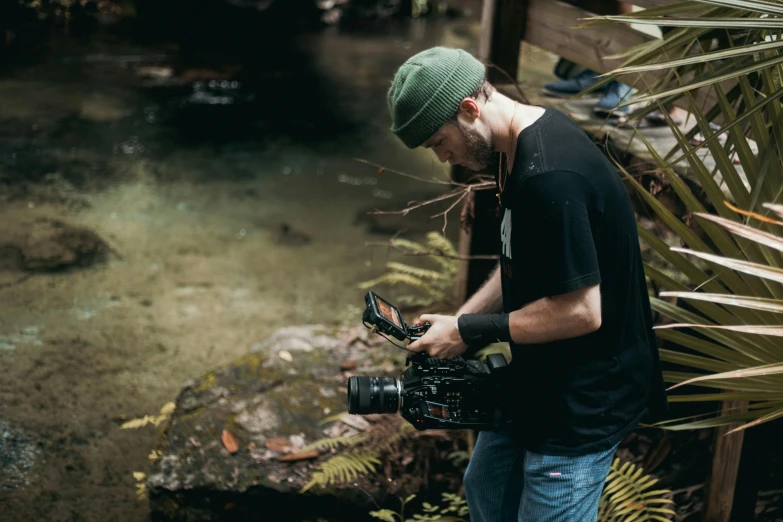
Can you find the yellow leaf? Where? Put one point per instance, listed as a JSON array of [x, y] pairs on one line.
[[139, 476], [748, 213]]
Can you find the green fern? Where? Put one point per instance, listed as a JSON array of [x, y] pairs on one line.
[[431, 286], [430, 513], [360, 453], [627, 496], [419, 273], [342, 468], [329, 443]]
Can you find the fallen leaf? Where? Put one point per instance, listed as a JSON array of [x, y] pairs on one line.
[[380, 171], [349, 365], [279, 444], [230, 442], [285, 355], [229, 505], [299, 456]]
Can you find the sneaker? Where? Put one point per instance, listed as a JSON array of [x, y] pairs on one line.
[[616, 93], [572, 86]]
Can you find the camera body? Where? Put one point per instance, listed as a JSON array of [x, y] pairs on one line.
[[431, 393], [451, 394]]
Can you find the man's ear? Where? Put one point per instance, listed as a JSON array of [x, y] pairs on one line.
[[469, 108]]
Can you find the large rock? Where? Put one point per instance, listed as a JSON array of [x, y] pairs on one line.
[[272, 402]]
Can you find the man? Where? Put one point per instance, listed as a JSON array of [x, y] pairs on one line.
[[569, 294]]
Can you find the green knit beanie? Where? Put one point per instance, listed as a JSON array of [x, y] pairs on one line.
[[427, 90]]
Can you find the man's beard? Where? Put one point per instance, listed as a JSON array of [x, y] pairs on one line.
[[478, 149]]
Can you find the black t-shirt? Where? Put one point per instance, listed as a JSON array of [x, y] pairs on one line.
[[566, 224]]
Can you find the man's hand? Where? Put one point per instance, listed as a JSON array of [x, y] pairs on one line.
[[442, 340]]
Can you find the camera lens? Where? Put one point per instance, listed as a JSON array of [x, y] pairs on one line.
[[373, 395]]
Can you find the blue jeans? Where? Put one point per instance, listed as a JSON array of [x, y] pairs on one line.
[[505, 483]]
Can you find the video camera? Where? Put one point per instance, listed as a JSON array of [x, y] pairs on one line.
[[432, 393]]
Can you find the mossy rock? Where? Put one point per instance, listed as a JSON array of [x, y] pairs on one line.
[[282, 390]]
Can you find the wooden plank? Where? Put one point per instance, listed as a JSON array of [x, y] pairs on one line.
[[503, 24], [725, 464], [551, 25]]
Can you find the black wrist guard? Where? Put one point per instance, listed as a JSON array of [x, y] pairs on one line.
[[483, 329]]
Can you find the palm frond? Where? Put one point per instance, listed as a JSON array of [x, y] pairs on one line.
[[722, 61]]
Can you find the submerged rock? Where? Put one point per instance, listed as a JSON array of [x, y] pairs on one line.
[[18, 454], [232, 449], [48, 244]]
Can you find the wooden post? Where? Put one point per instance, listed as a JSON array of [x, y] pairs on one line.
[[503, 24], [725, 464]]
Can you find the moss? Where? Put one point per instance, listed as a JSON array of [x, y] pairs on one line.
[[208, 381]]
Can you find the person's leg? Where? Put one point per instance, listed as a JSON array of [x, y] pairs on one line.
[[563, 489], [494, 478]]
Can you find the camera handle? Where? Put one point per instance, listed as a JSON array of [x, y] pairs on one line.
[[416, 331]]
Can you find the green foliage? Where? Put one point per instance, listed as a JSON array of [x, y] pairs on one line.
[[344, 468], [723, 63], [329, 443], [359, 454], [627, 496], [430, 286], [459, 458], [451, 510]]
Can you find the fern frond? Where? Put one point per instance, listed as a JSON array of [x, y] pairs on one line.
[[393, 278], [412, 246], [440, 242], [626, 496], [449, 266], [420, 273], [342, 468], [334, 443]]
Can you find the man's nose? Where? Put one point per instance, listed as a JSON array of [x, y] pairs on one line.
[[443, 156]]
